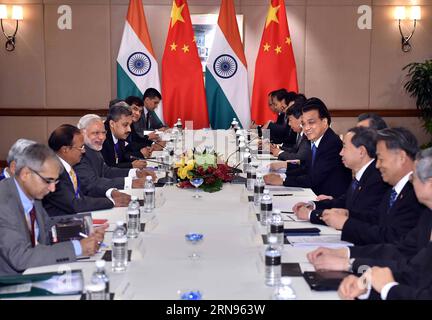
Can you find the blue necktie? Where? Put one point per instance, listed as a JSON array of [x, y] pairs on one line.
[[117, 150], [314, 151], [354, 185], [393, 197], [2, 175]]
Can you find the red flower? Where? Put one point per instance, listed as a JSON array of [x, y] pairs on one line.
[[185, 184], [210, 180]]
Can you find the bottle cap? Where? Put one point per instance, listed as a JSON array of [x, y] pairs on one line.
[[134, 198], [95, 287], [286, 281], [148, 178], [120, 223], [278, 211], [100, 263], [272, 239], [266, 191], [259, 175]]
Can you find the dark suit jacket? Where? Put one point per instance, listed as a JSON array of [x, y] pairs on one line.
[[300, 151], [108, 151], [362, 202], [390, 225], [410, 261], [136, 142], [328, 175], [96, 176], [63, 200], [395, 255], [281, 132], [16, 251], [153, 122], [415, 279]]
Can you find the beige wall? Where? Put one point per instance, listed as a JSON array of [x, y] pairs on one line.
[[347, 67]]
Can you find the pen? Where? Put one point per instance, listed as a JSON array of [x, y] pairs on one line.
[[283, 195], [86, 236], [288, 212]]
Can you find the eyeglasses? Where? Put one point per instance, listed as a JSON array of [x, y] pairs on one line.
[[82, 148], [46, 180], [97, 133]]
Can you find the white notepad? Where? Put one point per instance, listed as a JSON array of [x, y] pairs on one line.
[[330, 241]]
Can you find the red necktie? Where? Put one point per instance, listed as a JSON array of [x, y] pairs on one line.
[[32, 226]]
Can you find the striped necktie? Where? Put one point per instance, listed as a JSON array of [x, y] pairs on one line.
[[354, 185], [32, 226], [393, 198], [74, 179]]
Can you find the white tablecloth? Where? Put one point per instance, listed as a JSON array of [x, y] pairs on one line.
[[231, 264]]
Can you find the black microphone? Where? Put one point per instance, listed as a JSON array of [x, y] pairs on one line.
[[171, 153], [153, 161], [259, 130], [236, 150]]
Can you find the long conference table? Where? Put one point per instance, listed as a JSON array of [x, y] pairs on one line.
[[231, 263]]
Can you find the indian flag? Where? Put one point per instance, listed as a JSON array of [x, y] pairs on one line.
[[226, 73], [137, 68]]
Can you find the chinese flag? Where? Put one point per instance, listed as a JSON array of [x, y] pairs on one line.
[[275, 66], [182, 77]]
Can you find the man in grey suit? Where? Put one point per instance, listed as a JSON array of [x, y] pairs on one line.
[[97, 178], [24, 223]]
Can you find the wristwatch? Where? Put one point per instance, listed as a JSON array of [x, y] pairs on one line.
[[350, 265]]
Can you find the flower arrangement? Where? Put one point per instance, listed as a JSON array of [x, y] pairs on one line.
[[203, 165]]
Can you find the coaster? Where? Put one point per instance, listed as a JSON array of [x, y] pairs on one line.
[[84, 297], [264, 237], [291, 270]]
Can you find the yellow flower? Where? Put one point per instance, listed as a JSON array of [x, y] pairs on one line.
[[184, 172], [181, 164]]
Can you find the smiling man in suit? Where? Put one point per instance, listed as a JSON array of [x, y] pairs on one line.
[[365, 192], [399, 209], [97, 178], [324, 171], [398, 213], [401, 270], [67, 142], [24, 224]]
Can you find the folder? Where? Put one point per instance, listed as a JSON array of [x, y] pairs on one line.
[[42, 284]]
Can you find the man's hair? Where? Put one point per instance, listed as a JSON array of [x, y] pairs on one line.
[[375, 121], [34, 156], [117, 111], [399, 139], [283, 94], [87, 120], [424, 165], [62, 136], [134, 100], [296, 110], [115, 102], [365, 137], [317, 104], [152, 93], [17, 148]]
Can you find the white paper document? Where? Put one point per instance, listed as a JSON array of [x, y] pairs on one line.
[[331, 241], [265, 157]]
